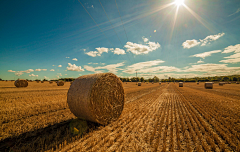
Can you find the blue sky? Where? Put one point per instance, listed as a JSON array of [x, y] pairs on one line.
[[58, 39]]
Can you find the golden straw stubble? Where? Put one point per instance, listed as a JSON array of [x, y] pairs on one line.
[[21, 83], [97, 97]]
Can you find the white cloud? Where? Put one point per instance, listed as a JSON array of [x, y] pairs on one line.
[[200, 61], [18, 73], [92, 6], [53, 65], [65, 74], [46, 77], [11, 71], [73, 67], [98, 52], [59, 74], [235, 60], [206, 54], [119, 51], [101, 50], [211, 68], [145, 39], [84, 50], [33, 75], [210, 38], [113, 68], [229, 49], [59, 66], [40, 69], [111, 49], [190, 43], [75, 59], [92, 53], [52, 70], [67, 57], [141, 66], [141, 49]]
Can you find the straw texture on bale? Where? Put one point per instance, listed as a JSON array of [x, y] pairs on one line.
[[71, 82], [180, 84], [21, 83], [60, 83], [208, 85], [96, 97], [139, 83]]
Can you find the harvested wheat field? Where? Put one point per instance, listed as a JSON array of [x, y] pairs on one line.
[[155, 118]]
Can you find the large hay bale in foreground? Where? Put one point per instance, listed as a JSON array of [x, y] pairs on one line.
[[208, 85], [21, 83], [180, 84], [139, 83], [60, 83], [96, 97]]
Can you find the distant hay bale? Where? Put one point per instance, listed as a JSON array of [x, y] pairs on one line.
[[21, 83], [180, 84], [208, 85], [229, 82], [37, 81], [152, 82], [96, 97], [237, 82], [42, 81], [197, 82], [50, 82], [60, 83], [139, 83], [147, 82], [221, 83], [160, 83], [126, 82]]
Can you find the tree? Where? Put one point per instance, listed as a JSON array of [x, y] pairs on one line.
[[141, 79]]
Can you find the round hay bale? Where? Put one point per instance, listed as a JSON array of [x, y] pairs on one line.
[[139, 83], [71, 82], [229, 82], [37, 81], [152, 82], [96, 97], [221, 83], [180, 84], [42, 81], [50, 82], [237, 82], [60, 83], [197, 83], [208, 85], [21, 83], [126, 82], [160, 83]]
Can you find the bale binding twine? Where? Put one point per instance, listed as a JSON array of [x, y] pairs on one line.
[[21, 83], [96, 97]]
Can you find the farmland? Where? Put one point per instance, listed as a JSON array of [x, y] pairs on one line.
[[155, 118]]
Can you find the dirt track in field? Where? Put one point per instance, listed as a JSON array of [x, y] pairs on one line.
[[155, 118]]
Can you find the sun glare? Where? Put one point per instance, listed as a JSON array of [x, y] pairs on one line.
[[179, 2]]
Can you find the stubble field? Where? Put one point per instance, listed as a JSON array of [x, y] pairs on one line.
[[155, 118]]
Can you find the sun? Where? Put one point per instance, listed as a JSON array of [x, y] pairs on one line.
[[179, 2]]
